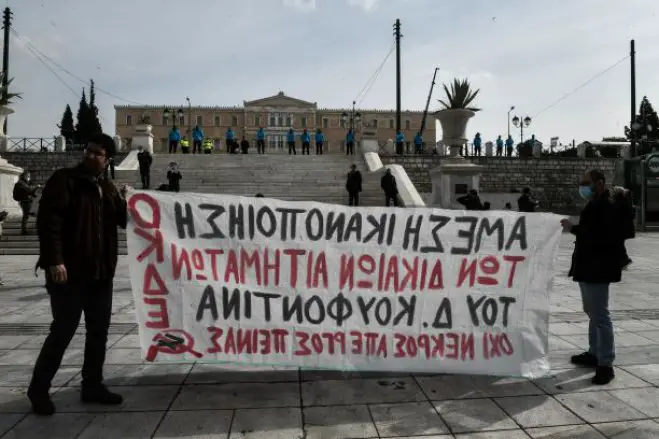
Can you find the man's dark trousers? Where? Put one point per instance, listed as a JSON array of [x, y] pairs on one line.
[[196, 147], [305, 147], [68, 302], [145, 175], [353, 198], [391, 198], [350, 148]]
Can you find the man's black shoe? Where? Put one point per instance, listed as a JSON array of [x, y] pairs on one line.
[[42, 405], [603, 375], [100, 395], [585, 359]]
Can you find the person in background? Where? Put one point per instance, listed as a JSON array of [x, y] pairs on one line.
[[595, 266], [185, 145], [350, 142], [499, 143], [244, 145], [290, 140], [477, 144], [197, 139], [25, 192], [3, 217], [230, 139], [471, 201], [354, 185], [306, 141], [174, 177], [510, 143], [77, 222], [487, 205], [627, 214], [526, 203], [259, 195], [208, 146], [400, 143], [109, 169], [418, 143], [260, 141], [320, 141], [174, 139], [388, 185], [508, 206], [144, 159]]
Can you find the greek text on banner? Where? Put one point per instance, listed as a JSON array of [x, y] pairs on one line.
[[257, 281]]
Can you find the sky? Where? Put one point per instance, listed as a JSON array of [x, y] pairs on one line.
[[533, 54]]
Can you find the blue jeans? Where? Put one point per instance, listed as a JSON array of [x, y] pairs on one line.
[[595, 299]]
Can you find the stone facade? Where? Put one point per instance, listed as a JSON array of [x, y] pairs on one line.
[[553, 180], [276, 114]]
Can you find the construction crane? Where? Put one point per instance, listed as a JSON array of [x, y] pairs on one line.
[[425, 112]]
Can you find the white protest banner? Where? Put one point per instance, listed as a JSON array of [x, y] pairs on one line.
[[257, 281]]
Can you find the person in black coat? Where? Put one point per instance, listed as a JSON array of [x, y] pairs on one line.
[[354, 186], [595, 266], [471, 201], [526, 203], [174, 177], [624, 204], [144, 159], [388, 185]]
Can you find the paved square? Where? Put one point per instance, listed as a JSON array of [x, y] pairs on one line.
[[208, 401]]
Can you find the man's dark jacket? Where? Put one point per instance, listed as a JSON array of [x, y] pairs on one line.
[[77, 224], [470, 202], [354, 182], [388, 184], [525, 203], [599, 238], [145, 159]]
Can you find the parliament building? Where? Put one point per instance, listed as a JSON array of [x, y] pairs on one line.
[[276, 114]]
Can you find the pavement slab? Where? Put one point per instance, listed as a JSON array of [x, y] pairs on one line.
[[219, 401]]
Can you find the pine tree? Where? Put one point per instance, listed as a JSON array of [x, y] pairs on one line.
[[67, 125], [82, 126], [94, 124]]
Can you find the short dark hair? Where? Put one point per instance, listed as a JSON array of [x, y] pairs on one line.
[[104, 141], [526, 190], [596, 176], [259, 195]]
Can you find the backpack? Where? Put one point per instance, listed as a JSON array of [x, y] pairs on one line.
[[20, 192]]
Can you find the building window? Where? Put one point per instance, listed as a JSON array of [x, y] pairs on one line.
[[408, 124], [374, 123], [129, 119], [234, 121], [165, 121], [273, 121], [342, 123], [218, 121], [257, 121], [303, 121], [289, 121], [325, 122], [181, 120], [200, 120], [391, 124]]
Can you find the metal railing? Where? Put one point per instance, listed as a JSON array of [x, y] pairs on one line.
[[30, 144]]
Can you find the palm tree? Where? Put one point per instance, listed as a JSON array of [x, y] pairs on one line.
[[6, 100]]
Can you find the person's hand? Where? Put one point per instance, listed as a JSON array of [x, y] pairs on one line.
[[58, 273], [567, 225], [124, 189]]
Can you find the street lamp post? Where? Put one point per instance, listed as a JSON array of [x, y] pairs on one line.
[[510, 111], [189, 117], [353, 117], [166, 112], [521, 124]]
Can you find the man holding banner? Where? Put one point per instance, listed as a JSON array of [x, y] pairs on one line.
[[77, 224], [595, 266]]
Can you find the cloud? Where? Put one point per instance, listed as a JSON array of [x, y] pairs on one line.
[[366, 5], [301, 5]]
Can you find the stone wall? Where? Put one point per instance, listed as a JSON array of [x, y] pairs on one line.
[[42, 164], [554, 181]]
